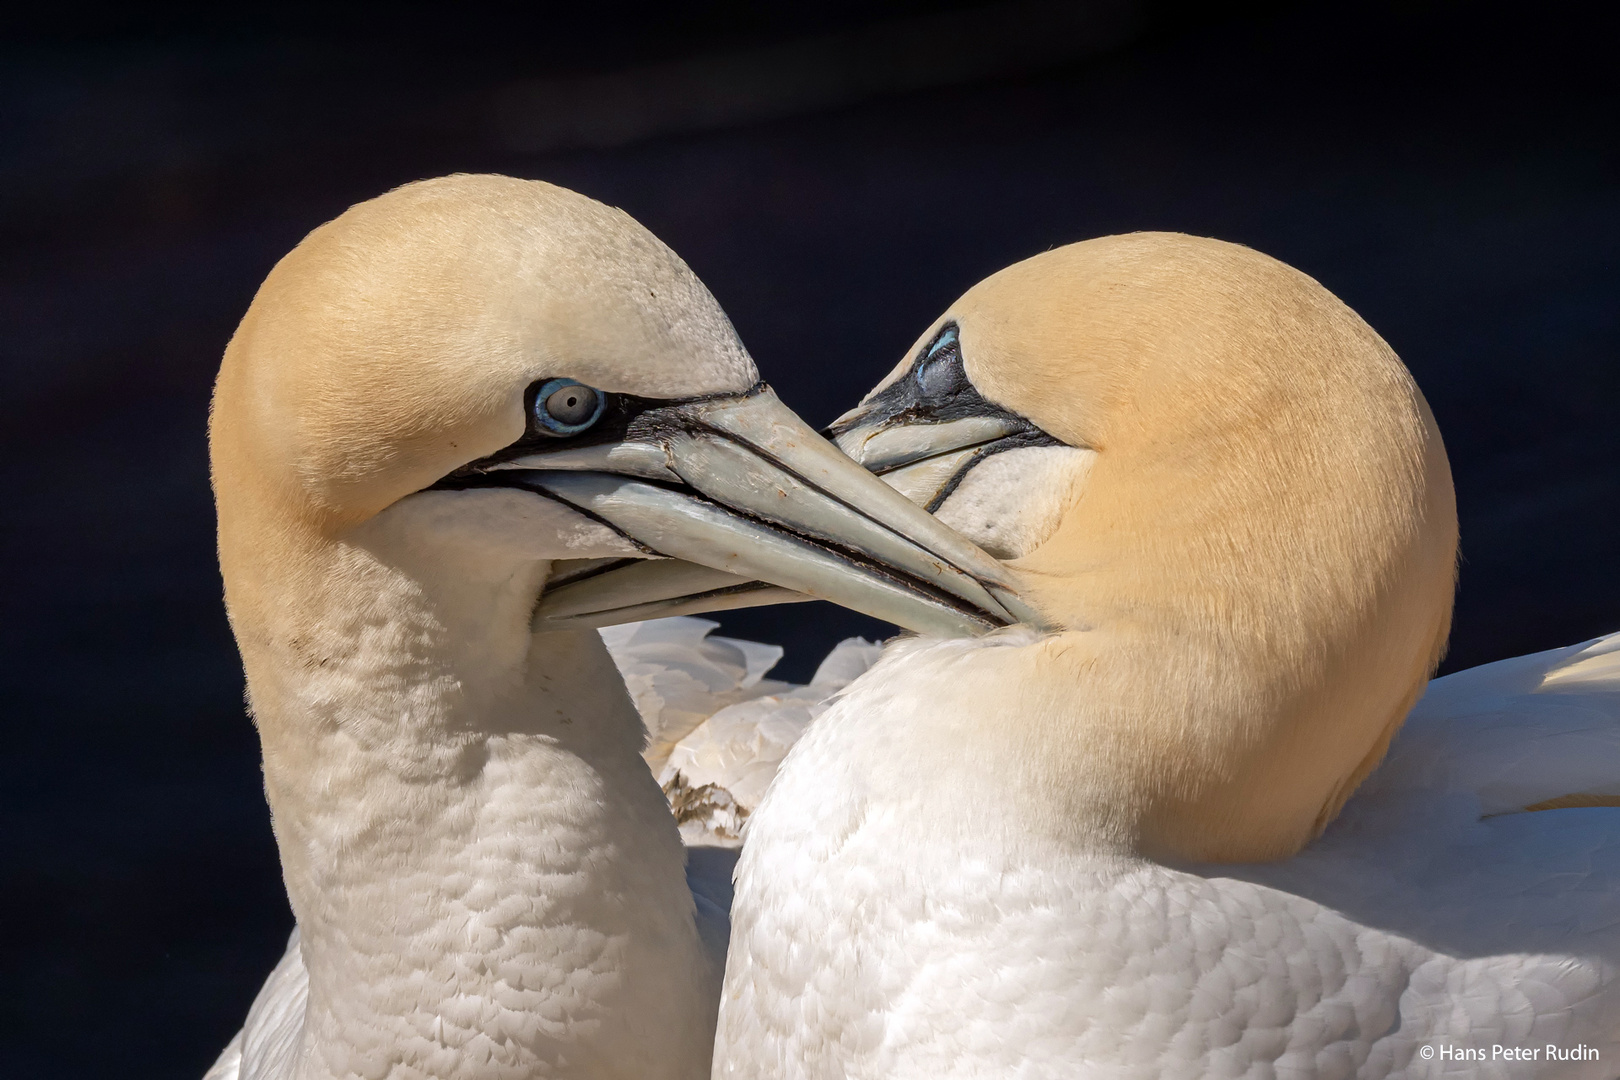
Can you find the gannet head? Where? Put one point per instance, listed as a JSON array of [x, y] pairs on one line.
[[1226, 491], [545, 368], [460, 426]]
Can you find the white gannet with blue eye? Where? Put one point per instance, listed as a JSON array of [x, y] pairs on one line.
[[459, 427], [1088, 850]]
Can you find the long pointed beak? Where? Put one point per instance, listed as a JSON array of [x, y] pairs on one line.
[[743, 492]]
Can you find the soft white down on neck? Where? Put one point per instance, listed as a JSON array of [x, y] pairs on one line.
[[486, 875]]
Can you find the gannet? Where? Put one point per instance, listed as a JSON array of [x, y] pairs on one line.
[[1087, 851], [453, 429]]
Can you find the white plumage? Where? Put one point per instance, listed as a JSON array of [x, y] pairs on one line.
[[1158, 836], [460, 427], [1434, 912], [701, 696], [717, 730], [1230, 516]]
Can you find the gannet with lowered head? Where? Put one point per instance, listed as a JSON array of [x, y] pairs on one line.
[[996, 857], [450, 427]]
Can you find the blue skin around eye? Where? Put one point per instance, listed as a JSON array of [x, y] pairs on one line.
[[551, 423], [947, 338]]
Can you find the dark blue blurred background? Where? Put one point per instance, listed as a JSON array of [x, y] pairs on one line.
[[837, 175]]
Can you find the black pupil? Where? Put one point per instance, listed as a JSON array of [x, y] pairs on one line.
[[572, 404]]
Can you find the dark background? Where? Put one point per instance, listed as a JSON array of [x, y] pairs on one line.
[[837, 174]]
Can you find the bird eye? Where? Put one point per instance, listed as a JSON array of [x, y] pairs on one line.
[[940, 372], [565, 407]]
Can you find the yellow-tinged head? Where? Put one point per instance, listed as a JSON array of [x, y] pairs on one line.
[[477, 377], [1228, 492], [396, 342]]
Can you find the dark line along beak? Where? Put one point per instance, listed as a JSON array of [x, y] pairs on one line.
[[927, 430], [743, 492]]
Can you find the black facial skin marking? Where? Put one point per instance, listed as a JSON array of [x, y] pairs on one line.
[[937, 390], [934, 391], [629, 418], [625, 417]]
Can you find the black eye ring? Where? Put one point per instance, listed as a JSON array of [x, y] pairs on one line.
[[567, 407]]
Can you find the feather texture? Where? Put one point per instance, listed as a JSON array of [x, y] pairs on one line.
[[1435, 912], [709, 711], [1154, 838]]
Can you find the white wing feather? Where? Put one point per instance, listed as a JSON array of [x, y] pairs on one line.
[[1510, 920], [1514, 733]]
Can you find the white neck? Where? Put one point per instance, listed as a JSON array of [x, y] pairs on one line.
[[942, 734], [486, 875], [897, 869]]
